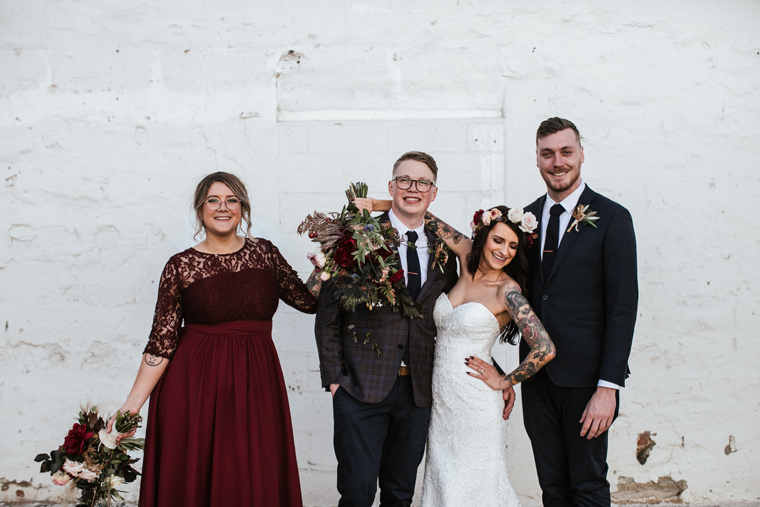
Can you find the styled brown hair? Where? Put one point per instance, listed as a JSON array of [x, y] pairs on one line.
[[518, 269], [554, 125], [234, 184], [419, 157]]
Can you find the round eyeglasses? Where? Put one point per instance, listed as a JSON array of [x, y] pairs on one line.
[[405, 183], [214, 203]]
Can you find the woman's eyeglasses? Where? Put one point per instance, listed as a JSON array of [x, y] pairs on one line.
[[214, 203]]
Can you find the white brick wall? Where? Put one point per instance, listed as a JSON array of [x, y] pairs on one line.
[[110, 112]]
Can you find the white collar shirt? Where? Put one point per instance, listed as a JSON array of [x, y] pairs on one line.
[[569, 203], [421, 243]]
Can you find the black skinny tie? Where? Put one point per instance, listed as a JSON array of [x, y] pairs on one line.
[[413, 278], [552, 239]]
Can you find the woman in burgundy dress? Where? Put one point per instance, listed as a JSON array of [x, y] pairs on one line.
[[219, 430]]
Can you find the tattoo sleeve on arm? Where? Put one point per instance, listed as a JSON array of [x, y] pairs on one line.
[[533, 332], [152, 360], [442, 229], [314, 282]]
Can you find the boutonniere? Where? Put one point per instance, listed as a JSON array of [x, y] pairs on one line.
[[439, 254], [583, 216]]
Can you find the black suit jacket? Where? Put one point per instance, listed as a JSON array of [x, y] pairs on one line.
[[588, 301], [355, 365]]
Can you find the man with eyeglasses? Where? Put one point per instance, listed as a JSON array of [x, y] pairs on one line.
[[381, 403]]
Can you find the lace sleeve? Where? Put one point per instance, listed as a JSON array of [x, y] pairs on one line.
[[291, 289], [167, 318]]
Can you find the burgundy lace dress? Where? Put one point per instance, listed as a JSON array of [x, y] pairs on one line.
[[219, 430]]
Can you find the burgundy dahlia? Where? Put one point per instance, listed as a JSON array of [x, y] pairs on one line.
[[75, 442], [398, 275], [344, 252]]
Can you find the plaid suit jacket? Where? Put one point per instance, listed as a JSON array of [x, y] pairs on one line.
[[355, 365]]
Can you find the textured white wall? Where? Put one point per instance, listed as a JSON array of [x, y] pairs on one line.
[[111, 111]]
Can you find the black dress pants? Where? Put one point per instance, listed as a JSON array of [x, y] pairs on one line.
[[384, 440], [572, 470]]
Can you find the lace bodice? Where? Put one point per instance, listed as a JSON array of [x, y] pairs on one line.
[[467, 438], [203, 288]]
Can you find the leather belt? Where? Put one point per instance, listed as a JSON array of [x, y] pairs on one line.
[[404, 371]]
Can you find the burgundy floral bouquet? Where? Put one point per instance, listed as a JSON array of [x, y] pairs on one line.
[[358, 253], [92, 460]]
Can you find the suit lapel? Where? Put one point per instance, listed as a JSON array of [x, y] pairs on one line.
[[431, 272], [569, 238], [385, 220]]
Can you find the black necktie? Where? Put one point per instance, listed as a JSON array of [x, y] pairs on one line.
[[552, 239], [413, 278]]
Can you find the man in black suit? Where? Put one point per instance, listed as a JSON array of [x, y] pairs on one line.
[[583, 287], [382, 388]]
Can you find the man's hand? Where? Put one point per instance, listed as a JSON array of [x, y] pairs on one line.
[[509, 401], [333, 388], [599, 413]]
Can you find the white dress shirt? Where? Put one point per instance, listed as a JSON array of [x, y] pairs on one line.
[[421, 243], [569, 203]]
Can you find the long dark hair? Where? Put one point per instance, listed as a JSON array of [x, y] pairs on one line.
[[518, 269]]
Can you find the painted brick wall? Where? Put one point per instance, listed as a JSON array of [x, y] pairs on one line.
[[110, 112]]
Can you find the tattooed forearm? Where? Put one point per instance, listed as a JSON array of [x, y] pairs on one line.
[[533, 332], [442, 229], [314, 283], [152, 360]]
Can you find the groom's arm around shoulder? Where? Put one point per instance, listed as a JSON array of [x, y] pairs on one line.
[[328, 327], [621, 293]]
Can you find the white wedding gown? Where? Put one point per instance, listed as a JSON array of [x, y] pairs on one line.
[[466, 449]]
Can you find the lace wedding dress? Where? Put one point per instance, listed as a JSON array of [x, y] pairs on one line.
[[466, 451]]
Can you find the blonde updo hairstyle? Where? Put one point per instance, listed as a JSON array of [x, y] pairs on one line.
[[234, 184]]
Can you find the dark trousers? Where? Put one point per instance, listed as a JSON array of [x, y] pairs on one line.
[[572, 470], [385, 440]]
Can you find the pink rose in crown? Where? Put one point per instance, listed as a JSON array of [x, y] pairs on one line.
[[515, 215], [528, 223]]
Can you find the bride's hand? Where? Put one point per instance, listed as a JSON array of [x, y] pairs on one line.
[[509, 401], [485, 372], [367, 203]]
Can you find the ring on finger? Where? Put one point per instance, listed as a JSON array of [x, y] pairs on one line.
[[481, 371]]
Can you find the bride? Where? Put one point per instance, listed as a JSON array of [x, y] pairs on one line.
[[466, 460]]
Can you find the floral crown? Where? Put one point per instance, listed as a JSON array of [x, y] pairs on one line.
[[527, 221]]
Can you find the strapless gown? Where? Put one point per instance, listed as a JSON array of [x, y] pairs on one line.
[[466, 460]]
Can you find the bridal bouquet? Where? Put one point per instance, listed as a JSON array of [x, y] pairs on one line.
[[91, 460], [358, 253]]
